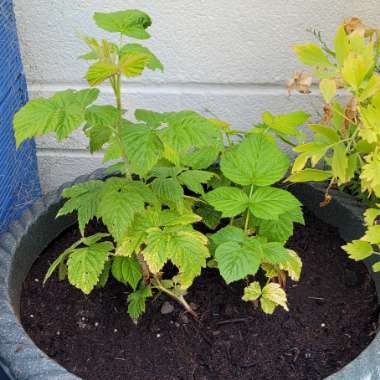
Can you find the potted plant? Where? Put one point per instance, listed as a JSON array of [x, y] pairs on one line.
[[159, 216]]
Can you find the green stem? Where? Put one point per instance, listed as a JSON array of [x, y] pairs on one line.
[[179, 299], [248, 213]]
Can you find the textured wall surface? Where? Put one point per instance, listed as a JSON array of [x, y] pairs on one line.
[[231, 57]]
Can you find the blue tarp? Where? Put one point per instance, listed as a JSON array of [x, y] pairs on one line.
[[19, 183]]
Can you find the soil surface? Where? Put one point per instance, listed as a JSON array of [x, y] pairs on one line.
[[332, 318]]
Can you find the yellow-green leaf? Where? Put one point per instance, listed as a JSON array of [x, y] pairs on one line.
[[312, 55], [310, 175], [252, 292], [341, 45], [328, 89], [358, 250]]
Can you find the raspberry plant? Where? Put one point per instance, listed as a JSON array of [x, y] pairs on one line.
[[168, 183], [345, 148]]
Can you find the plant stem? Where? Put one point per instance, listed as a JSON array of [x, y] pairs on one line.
[[179, 299], [248, 212]]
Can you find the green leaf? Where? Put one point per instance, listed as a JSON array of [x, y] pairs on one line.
[[230, 201], [117, 210], [275, 253], [127, 270], [153, 62], [339, 162], [358, 250], [328, 89], [286, 123], [310, 175], [84, 198], [62, 113], [185, 247], [341, 45], [270, 202], [312, 55], [376, 267], [355, 69], [99, 72], [169, 191], [255, 161], [132, 65], [132, 23], [371, 215], [85, 265], [100, 120], [188, 129], [372, 234], [201, 158], [252, 292], [137, 300], [193, 179], [228, 234], [271, 296], [236, 261], [57, 262], [282, 228], [210, 217], [151, 118], [324, 134], [104, 276], [142, 145]]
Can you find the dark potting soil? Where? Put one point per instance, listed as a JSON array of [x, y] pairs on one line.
[[332, 318]]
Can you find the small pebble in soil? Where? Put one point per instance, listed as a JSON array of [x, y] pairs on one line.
[[167, 308], [323, 325], [96, 324], [36, 280], [115, 330], [158, 335], [31, 315], [58, 333]]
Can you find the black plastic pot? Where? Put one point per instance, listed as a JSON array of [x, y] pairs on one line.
[[38, 226]]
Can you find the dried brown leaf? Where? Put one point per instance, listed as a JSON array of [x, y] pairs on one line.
[[300, 82]]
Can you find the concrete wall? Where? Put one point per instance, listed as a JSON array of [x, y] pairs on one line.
[[232, 57]]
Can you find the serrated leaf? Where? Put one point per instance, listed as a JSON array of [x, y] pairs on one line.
[[104, 276], [275, 253], [293, 265], [117, 210], [62, 113], [127, 270], [137, 300], [100, 71], [328, 89], [169, 191], [372, 88], [376, 267], [230, 201], [228, 234], [100, 120], [255, 161], [282, 228], [355, 69], [371, 215], [273, 295], [341, 45], [132, 23], [312, 55], [201, 158], [324, 134], [84, 198], [132, 65], [153, 62], [236, 261], [270, 202], [151, 118], [188, 129], [210, 217], [142, 145], [372, 234], [252, 292], [339, 163], [358, 250], [85, 265], [286, 123], [194, 179], [185, 247], [310, 175]]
